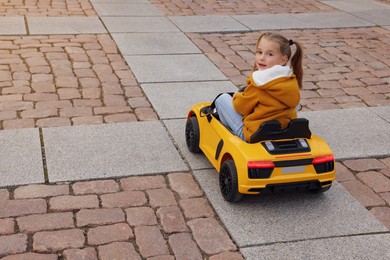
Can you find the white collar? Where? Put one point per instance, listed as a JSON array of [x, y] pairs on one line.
[[261, 77]]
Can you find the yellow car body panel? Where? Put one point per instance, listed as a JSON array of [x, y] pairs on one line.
[[212, 133]]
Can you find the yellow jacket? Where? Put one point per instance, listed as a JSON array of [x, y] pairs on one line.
[[269, 95]]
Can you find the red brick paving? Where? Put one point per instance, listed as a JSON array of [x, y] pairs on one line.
[[184, 247], [46, 8], [238, 7], [368, 180], [208, 229], [384, 1], [111, 218], [343, 68], [49, 81]]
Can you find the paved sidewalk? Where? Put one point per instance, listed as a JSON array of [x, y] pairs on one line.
[[239, 7], [47, 8], [128, 218], [67, 80], [93, 104], [343, 68], [368, 180]]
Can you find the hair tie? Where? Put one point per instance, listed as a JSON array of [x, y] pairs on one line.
[[290, 42]]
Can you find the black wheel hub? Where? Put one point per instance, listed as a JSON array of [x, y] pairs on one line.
[[225, 182], [189, 135]]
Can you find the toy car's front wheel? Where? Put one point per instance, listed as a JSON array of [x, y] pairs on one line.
[[192, 134], [228, 182]]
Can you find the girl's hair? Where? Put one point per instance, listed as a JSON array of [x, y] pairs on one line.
[[285, 49]]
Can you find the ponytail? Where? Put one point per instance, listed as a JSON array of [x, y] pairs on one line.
[[296, 63]]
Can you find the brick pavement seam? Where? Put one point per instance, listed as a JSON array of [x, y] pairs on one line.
[[44, 162], [315, 238], [26, 25]]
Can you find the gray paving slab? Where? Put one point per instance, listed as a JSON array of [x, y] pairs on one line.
[[356, 5], [288, 217], [20, 157], [176, 128], [331, 20], [173, 68], [208, 24], [383, 112], [64, 25], [377, 16], [301, 21], [126, 9], [173, 100], [102, 151], [263, 21], [154, 43], [138, 24], [351, 133], [353, 247], [12, 26]]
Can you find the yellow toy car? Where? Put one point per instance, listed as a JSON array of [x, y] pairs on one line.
[[274, 160]]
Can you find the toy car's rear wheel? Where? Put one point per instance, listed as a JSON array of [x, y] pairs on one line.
[[321, 190], [192, 134], [228, 182]]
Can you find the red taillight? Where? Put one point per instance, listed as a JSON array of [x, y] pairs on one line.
[[261, 165], [323, 159]]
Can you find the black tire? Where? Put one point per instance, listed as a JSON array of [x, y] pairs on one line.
[[192, 134], [321, 190], [228, 182]]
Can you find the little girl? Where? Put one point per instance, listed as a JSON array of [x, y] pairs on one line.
[[272, 91]]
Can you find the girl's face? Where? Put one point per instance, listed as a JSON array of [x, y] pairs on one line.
[[268, 55]]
